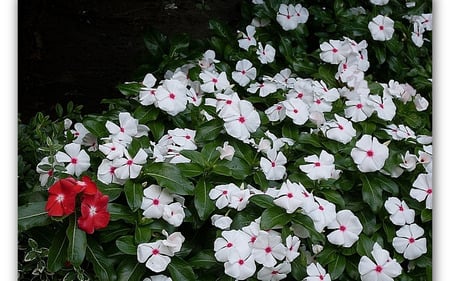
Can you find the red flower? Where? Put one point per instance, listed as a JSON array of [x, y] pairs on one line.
[[62, 196], [94, 213], [87, 186]]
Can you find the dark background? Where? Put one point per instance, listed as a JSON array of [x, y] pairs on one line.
[[80, 50]]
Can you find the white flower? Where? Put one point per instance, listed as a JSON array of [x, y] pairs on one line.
[[208, 60], [384, 269], [276, 112], [154, 201], [112, 150], [409, 243], [231, 241], [334, 51], [400, 213], [155, 255], [381, 28], [78, 159], [213, 81], [420, 102], [321, 167], [129, 167], [226, 152], [106, 173], [221, 221], [297, 110], [223, 193], [265, 88], [265, 54], [171, 96], [339, 129], [369, 154], [240, 266], [292, 196], [273, 166], [174, 214], [147, 93], [183, 138], [292, 246], [245, 72], [409, 161], [245, 122], [322, 213], [126, 130], [173, 241], [247, 39], [286, 17], [268, 248], [423, 189], [348, 227], [316, 273], [274, 273], [45, 174]]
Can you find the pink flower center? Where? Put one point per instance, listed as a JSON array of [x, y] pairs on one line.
[[279, 107], [214, 80], [318, 101], [274, 272], [359, 106], [113, 148], [253, 239], [379, 268], [411, 240], [74, 160], [112, 169], [295, 111], [334, 50], [129, 162], [155, 202], [381, 27], [268, 250], [429, 191], [340, 127], [321, 277], [317, 164], [300, 95], [273, 164], [242, 119], [155, 252], [243, 72], [290, 195], [225, 192], [188, 137], [172, 96], [92, 211], [60, 198], [370, 153], [321, 208], [229, 245], [342, 228], [400, 208], [241, 262], [122, 129]]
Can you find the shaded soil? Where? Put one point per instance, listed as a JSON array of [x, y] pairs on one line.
[[80, 50]]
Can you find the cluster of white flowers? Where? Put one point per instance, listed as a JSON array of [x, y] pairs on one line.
[[421, 23], [157, 255], [168, 148], [242, 250]]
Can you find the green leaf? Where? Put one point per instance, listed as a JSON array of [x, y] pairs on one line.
[[181, 270], [103, 267], [385, 183], [120, 212], [208, 131], [336, 267], [203, 259], [334, 197], [262, 200], [169, 176], [306, 222], [236, 168], [126, 245], [145, 114], [157, 129], [32, 215], [368, 221], [210, 153], [76, 249], [96, 126], [130, 89], [260, 180], [142, 234], [372, 194], [57, 253], [178, 44], [190, 170], [426, 215], [194, 156], [134, 194], [203, 204], [274, 216], [364, 245], [380, 53], [220, 29], [130, 270]]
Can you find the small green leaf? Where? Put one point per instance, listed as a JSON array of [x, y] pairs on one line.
[[120, 212], [143, 233], [364, 245], [426, 215], [103, 267], [96, 127], [194, 156], [126, 245], [145, 114], [208, 131], [274, 216], [203, 259], [372, 194], [220, 29], [76, 237], [32, 215], [57, 253], [203, 204], [262, 200], [130, 89], [169, 176], [134, 194], [236, 168], [130, 270], [190, 170], [337, 267], [181, 270]]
